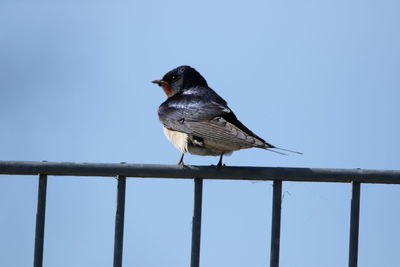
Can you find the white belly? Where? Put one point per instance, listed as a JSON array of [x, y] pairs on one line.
[[180, 140]]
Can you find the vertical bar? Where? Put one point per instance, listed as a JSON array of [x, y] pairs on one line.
[[119, 222], [196, 225], [40, 219], [276, 223], [354, 224]]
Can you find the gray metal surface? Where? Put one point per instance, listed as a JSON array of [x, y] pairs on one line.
[[122, 170], [276, 223], [119, 221], [206, 172], [40, 220], [196, 223], [354, 224]]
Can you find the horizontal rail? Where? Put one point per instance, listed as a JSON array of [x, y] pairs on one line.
[[206, 172]]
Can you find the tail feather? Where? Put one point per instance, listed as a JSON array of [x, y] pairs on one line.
[[287, 150], [271, 148]]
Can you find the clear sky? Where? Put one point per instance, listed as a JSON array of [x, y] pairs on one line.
[[321, 77]]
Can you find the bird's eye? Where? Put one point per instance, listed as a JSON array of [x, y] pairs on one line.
[[174, 78]]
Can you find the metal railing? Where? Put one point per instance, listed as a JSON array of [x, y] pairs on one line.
[[198, 173]]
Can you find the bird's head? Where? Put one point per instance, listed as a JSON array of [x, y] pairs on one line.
[[180, 79]]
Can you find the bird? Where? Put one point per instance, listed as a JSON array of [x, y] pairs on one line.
[[199, 121]]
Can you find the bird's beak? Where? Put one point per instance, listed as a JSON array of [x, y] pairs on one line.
[[160, 82]]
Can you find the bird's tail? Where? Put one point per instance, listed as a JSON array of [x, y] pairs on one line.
[[272, 148]]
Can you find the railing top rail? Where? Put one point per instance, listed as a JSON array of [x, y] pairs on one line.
[[206, 172]]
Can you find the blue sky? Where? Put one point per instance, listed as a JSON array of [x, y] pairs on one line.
[[321, 77]]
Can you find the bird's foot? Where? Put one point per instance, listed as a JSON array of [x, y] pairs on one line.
[[219, 165], [180, 163]]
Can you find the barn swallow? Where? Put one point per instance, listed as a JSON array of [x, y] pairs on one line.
[[197, 120]]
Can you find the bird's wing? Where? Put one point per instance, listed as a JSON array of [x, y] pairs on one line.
[[220, 130], [210, 120]]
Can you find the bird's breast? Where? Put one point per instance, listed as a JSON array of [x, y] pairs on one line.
[[178, 139]]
